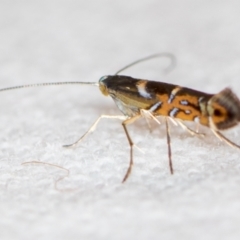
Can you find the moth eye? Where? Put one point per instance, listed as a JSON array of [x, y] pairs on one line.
[[217, 113]]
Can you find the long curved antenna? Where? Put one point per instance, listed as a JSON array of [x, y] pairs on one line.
[[164, 54], [48, 84]]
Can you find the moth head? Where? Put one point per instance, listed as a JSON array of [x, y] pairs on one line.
[[102, 85], [223, 110]]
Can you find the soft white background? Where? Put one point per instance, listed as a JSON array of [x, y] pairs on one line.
[[53, 40]]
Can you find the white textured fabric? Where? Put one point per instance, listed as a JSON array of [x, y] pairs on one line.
[[53, 40]]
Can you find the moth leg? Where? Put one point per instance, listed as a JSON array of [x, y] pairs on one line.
[[148, 115], [192, 132], [169, 146], [92, 128], [124, 124], [226, 140], [174, 121], [197, 128], [148, 123]]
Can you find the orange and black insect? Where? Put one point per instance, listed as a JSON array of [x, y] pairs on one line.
[[138, 98]]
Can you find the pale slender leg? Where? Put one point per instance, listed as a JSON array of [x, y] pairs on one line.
[[92, 128], [148, 123], [192, 132], [197, 127], [124, 124], [174, 121], [226, 140], [169, 147], [148, 115]]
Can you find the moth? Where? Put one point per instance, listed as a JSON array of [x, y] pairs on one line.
[[137, 98]]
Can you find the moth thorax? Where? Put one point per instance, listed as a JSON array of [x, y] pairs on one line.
[[223, 110]]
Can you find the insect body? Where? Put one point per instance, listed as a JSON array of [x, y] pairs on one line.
[[132, 96], [138, 98], [217, 111]]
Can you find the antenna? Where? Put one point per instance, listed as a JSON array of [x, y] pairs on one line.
[[164, 54], [48, 84], [157, 55]]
